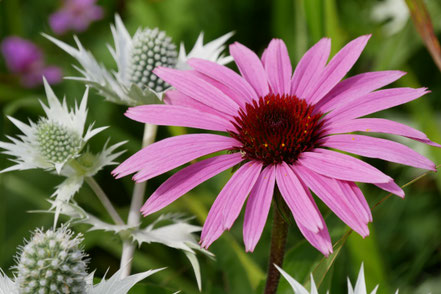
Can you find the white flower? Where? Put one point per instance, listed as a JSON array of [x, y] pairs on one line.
[[136, 57], [394, 12], [52, 141], [360, 286]]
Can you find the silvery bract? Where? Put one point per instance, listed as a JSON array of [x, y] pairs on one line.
[[171, 230], [134, 83], [360, 286], [54, 140]]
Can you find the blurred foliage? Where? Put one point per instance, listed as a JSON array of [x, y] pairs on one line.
[[404, 248]]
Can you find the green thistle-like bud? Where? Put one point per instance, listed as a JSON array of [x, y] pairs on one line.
[[151, 48], [56, 142], [52, 262]]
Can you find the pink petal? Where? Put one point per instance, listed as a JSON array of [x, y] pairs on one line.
[[170, 115], [298, 198], [258, 206], [341, 166], [310, 68], [378, 148], [330, 193], [251, 68], [278, 67], [353, 195], [237, 190], [191, 85], [374, 102], [169, 153], [320, 240], [174, 97], [391, 187], [356, 86], [229, 202], [379, 125], [227, 91], [243, 92], [338, 67], [188, 178]]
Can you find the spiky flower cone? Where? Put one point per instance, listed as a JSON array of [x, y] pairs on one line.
[[151, 48], [56, 142], [52, 262]]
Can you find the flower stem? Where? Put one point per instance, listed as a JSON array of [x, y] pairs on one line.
[[137, 200], [278, 242], [104, 200]]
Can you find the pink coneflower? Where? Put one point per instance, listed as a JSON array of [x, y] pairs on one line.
[[280, 128]]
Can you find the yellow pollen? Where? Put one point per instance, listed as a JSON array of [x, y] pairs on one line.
[[368, 130], [305, 131], [283, 144], [266, 145], [353, 138], [309, 117]]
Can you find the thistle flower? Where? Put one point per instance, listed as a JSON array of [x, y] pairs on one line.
[[52, 262], [52, 141], [280, 129], [135, 83], [360, 286], [75, 15], [25, 59]]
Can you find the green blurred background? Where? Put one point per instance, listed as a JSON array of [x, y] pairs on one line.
[[404, 248]]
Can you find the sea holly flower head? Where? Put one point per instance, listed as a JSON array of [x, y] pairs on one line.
[[75, 15], [360, 286], [281, 127], [52, 262], [25, 59], [136, 57], [54, 140]]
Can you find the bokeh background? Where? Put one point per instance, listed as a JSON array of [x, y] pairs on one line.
[[404, 248]]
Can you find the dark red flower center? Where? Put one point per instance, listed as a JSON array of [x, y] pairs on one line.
[[277, 128]]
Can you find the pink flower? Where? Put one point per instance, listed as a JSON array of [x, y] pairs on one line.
[[281, 128], [25, 59], [75, 15]]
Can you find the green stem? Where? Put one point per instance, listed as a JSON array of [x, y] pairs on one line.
[[104, 200], [99, 192], [134, 217], [277, 253]]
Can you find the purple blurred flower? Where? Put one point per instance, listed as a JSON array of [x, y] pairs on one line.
[[25, 59], [75, 15]]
